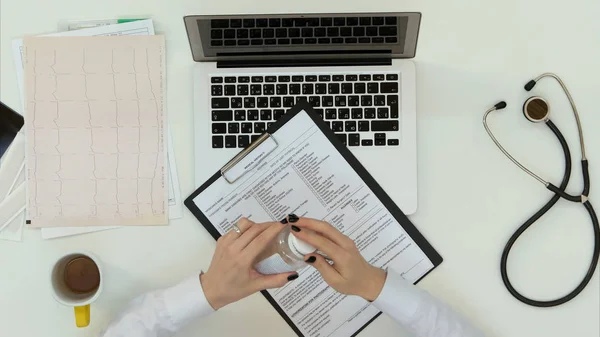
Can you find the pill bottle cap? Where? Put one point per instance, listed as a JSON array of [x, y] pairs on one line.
[[300, 246]]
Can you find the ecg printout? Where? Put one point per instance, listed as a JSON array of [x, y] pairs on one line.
[[95, 131]]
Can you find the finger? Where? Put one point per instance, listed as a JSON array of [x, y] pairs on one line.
[[326, 230], [243, 224], [329, 273], [320, 242], [250, 234], [274, 281], [260, 242]]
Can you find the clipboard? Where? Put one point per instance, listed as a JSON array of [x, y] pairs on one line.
[[242, 163]]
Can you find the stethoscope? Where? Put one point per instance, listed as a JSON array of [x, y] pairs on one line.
[[536, 110]]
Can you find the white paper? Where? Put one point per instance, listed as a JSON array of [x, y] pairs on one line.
[[141, 27], [307, 176], [12, 175]]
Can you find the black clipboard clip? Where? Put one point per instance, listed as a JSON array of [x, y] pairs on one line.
[[249, 162]]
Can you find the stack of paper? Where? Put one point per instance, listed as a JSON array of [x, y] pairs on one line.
[[143, 27], [12, 191]]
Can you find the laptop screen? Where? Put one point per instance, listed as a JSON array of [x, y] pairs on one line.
[[10, 124], [303, 36]]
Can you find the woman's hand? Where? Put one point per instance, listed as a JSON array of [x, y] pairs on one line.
[[231, 275], [350, 274]]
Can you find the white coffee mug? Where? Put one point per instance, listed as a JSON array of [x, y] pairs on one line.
[[63, 294]]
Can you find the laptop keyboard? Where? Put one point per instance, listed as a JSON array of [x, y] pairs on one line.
[[304, 31], [362, 109]]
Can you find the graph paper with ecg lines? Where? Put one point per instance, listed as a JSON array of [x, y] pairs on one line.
[[95, 123]]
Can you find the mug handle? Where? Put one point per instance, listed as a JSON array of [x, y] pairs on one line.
[[82, 316]]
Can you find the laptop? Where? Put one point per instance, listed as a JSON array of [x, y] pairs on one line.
[[352, 68]]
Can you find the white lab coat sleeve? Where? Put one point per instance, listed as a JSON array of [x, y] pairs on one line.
[[161, 313], [419, 312]]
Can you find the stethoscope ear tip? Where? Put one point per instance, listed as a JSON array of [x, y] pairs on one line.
[[500, 105], [530, 85]]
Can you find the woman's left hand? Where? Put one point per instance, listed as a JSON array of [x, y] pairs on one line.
[[231, 275]]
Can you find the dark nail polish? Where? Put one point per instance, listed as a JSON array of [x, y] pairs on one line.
[[293, 218], [311, 259], [284, 221], [292, 277], [295, 229]]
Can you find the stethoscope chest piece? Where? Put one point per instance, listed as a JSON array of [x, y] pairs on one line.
[[536, 109]]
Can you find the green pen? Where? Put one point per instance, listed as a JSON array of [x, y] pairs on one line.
[[74, 25]]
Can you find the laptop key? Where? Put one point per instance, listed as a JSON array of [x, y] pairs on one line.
[[230, 42], [242, 89], [281, 32], [324, 78], [340, 100], [268, 33], [239, 115], [256, 79], [351, 40], [307, 89], [278, 113], [364, 77], [235, 23], [259, 127], [345, 31], [320, 32], [383, 113], [392, 101], [262, 23], [342, 137], [337, 40], [287, 22], [378, 21], [294, 32], [298, 78], [366, 100], [389, 87], [315, 101], [243, 42], [230, 79], [219, 128], [217, 142], [327, 101], [248, 23], [288, 102], [339, 21], [359, 88], [262, 102], [364, 40], [243, 141], [393, 142], [353, 139], [233, 128], [265, 115], [357, 113], [274, 22], [216, 80], [365, 21], [229, 33], [358, 31], [307, 32], [378, 77], [377, 40], [222, 115], [363, 126], [253, 138], [367, 142], [270, 79], [379, 100], [373, 88], [283, 79], [334, 88], [389, 125], [281, 89], [324, 40], [370, 113], [255, 89], [371, 31], [349, 126], [253, 115], [326, 22], [346, 88], [236, 102], [310, 78], [269, 89], [388, 31], [297, 41], [216, 90], [246, 127], [242, 34], [230, 142], [270, 42], [312, 22], [269, 124], [320, 88], [337, 126], [301, 99], [380, 139], [330, 114], [220, 103], [333, 32], [343, 113], [352, 21], [338, 78], [244, 79], [219, 23], [353, 100], [249, 102], [295, 89], [275, 102], [255, 33], [320, 112]]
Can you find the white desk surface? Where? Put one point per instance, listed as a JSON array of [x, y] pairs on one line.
[[470, 54]]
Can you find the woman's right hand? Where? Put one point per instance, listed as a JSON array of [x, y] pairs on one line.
[[350, 273]]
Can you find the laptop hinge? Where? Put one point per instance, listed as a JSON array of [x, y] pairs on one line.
[[379, 61]]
